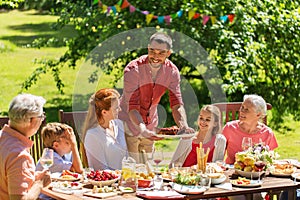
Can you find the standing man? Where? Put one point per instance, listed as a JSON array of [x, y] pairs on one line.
[[146, 79], [17, 170]]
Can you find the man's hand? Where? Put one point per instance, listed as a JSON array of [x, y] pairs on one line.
[[150, 135]]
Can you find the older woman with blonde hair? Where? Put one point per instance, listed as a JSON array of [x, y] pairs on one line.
[[209, 134], [252, 111], [103, 133]]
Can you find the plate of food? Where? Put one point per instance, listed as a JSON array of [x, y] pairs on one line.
[[66, 185], [282, 169], [66, 175], [103, 177], [171, 132], [244, 182], [187, 189]]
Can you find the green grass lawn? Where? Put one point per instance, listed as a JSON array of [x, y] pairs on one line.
[[17, 29]]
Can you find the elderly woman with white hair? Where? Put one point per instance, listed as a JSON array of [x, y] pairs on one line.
[[252, 111]]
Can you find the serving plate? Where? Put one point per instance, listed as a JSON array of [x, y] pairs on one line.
[[253, 183], [66, 186], [57, 176], [187, 189], [249, 174]]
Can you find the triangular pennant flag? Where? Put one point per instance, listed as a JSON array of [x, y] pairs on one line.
[[196, 15], [131, 8], [114, 9], [213, 19], [231, 17], [125, 4], [149, 18], [205, 19], [145, 12], [224, 18], [108, 10], [174, 15], [119, 2], [104, 8], [179, 13], [191, 14], [160, 19], [95, 2], [168, 19], [118, 8], [154, 17]]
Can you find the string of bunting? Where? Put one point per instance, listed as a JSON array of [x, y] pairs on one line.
[[122, 4]]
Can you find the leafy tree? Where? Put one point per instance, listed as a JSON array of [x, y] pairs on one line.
[[10, 3], [257, 53]]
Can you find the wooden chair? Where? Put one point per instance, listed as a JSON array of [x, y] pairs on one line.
[[37, 148], [75, 120], [230, 111]]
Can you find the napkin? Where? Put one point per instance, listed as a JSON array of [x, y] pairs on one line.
[[159, 194], [225, 186]]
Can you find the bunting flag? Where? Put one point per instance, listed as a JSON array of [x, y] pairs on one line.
[[213, 19], [149, 18], [125, 4], [192, 14], [205, 19]]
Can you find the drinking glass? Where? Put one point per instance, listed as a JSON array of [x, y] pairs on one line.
[[205, 181], [260, 165], [246, 143], [47, 158], [157, 157], [158, 182]]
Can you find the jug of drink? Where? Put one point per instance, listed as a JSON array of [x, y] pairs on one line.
[[128, 178]]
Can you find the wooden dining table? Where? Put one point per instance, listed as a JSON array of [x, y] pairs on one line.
[[270, 184]]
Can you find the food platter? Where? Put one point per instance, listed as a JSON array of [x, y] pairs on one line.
[[66, 187], [248, 183], [249, 174], [280, 174], [187, 189], [58, 177]]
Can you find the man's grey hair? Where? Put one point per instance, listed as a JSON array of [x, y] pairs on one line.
[[258, 102], [25, 106]]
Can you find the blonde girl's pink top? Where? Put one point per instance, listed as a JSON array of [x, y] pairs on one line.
[[234, 136]]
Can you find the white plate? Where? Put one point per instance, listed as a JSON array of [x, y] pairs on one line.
[[274, 173], [66, 185], [253, 183], [57, 176], [249, 174], [176, 136], [219, 180], [187, 189]]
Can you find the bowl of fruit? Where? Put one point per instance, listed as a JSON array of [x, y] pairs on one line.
[[103, 177], [254, 161]]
